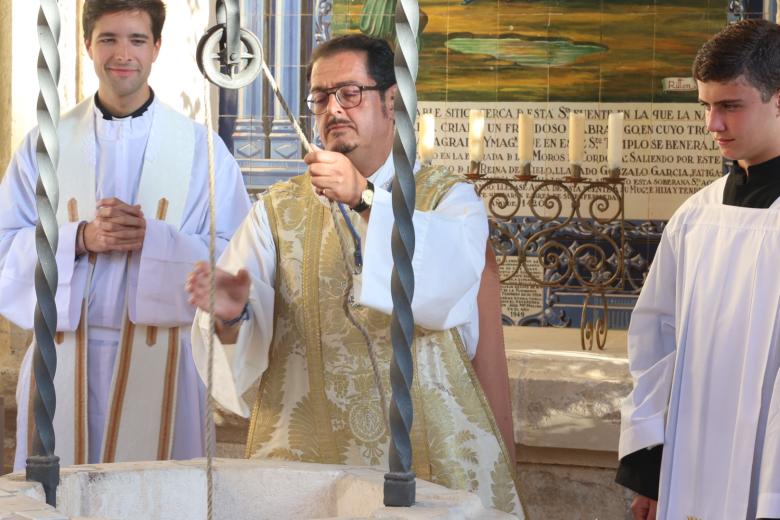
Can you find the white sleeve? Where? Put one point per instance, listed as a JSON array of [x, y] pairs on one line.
[[651, 355], [18, 254], [156, 277], [449, 257], [237, 367]]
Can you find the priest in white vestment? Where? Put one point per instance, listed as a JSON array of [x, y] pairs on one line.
[[133, 219], [700, 434], [303, 299]]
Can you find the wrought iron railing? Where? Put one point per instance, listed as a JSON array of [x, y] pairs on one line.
[[577, 241]]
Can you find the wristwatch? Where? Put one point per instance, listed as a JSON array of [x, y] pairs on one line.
[[366, 198]]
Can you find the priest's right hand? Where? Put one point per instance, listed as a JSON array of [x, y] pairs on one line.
[[643, 508], [232, 291]]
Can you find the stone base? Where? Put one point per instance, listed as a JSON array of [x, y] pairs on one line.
[[243, 489]]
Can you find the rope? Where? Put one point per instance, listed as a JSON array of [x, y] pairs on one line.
[[278, 93], [212, 297]]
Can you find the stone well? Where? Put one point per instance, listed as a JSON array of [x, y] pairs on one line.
[[243, 489]]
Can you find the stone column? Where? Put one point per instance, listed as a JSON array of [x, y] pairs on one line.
[[5, 154], [5, 83]]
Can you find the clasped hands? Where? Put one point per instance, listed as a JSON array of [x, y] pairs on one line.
[[117, 226], [335, 177]]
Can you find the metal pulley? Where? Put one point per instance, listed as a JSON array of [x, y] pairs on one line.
[[229, 56]]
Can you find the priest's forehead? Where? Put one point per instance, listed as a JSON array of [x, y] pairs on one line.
[[93, 10], [341, 68]]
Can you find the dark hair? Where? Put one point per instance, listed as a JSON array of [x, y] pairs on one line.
[[379, 56], [94, 9], [749, 47]]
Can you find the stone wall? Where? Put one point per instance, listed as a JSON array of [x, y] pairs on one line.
[[12, 340]]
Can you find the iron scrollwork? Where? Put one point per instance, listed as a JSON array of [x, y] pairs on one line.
[[574, 236]]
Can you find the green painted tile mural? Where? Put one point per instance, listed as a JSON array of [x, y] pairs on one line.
[[547, 50]]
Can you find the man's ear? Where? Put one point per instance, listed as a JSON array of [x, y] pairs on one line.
[[390, 97], [88, 46]]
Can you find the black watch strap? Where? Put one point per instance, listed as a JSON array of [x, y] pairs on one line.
[[363, 205]]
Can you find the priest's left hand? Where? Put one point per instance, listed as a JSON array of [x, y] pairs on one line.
[[334, 176]]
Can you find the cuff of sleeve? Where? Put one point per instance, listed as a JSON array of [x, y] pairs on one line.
[[377, 257], [641, 435], [768, 506], [641, 471], [225, 394]]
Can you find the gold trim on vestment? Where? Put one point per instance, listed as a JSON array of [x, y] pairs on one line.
[[80, 433], [269, 209], [169, 396], [421, 456], [151, 331], [311, 284], [118, 397], [30, 410]]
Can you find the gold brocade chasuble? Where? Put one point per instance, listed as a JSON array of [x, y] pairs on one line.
[[325, 393]]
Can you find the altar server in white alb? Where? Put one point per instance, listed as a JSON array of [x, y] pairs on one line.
[[133, 219], [700, 435]]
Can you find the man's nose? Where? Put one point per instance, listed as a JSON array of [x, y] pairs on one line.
[[123, 51], [715, 121], [333, 106]]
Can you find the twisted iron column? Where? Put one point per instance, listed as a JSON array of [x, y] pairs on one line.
[[399, 489], [43, 466]]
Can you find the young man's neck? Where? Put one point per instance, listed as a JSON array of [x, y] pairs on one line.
[[119, 108], [746, 164]]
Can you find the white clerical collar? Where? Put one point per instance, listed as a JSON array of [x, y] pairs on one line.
[[383, 177], [126, 127]]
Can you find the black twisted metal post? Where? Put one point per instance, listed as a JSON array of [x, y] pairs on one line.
[[43, 466], [399, 489]]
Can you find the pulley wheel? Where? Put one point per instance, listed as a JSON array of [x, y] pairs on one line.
[[210, 56]]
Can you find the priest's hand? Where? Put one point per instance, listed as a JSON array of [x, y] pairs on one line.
[[118, 226], [232, 294], [334, 176], [643, 508]]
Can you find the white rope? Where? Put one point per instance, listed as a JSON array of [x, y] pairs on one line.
[[212, 293]]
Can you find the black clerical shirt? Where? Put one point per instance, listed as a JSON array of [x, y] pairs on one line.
[[107, 115], [758, 187]]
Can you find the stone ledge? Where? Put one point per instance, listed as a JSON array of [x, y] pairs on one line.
[[562, 396], [252, 488]]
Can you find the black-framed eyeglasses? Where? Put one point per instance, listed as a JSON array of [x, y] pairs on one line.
[[347, 96]]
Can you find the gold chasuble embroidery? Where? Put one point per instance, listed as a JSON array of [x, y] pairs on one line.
[[323, 397]]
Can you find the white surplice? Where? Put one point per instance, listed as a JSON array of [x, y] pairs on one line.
[[152, 282], [448, 261], [704, 354]]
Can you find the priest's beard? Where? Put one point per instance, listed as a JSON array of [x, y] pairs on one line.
[[344, 148]]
